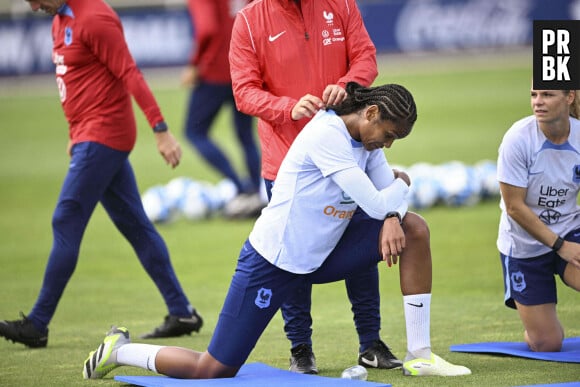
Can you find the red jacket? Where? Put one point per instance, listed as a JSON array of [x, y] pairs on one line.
[[96, 76], [212, 23], [279, 53]]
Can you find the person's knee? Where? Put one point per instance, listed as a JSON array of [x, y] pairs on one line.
[[572, 277], [415, 226], [196, 137], [545, 343], [210, 368], [65, 214]]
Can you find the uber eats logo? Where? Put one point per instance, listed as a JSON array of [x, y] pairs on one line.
[[556, 54]]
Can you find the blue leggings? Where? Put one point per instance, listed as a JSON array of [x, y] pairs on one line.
[[363, 292], [258, 288], [99, 173], [205, 103]]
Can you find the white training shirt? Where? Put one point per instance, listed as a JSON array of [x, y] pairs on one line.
[[309, 211], [551, 174]]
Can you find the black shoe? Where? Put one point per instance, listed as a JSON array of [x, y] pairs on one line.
[[379, 356], [303, 360], [174, 326], [23, 331]]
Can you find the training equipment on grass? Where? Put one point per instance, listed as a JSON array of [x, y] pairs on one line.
[[425, 189], [486, 172], [196, 203], [356, 372], [184, 197], [459, 184], [570, 352], [156, 204], [453, 184], [251, 375], [176, 190]]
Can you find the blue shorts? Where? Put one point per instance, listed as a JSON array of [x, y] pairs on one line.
[[259, 288], [531, 281]]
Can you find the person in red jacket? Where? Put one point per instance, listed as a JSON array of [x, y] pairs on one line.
[[208, 73], [288, 59], [96, 78]]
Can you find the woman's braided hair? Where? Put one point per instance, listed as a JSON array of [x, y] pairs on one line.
[[395, 103]]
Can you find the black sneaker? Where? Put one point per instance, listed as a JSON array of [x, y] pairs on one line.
[[174, 326], [23, 331], [303, 360], [379, 356]]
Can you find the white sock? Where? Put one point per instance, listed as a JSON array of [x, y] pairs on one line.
[[138, 355], [417, 320]]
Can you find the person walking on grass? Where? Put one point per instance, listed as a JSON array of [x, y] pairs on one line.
[[208, 75], [288, 59], [312, 231], [96, 77], [538, 170]]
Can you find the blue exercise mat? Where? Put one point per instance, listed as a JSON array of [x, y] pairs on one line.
[[251, 375], [570, 350]]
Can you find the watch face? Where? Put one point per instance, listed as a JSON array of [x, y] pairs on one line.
[[160, 127]]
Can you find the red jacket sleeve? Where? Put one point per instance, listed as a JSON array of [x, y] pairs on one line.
[[109, 46], [362, 53], [249, 93]]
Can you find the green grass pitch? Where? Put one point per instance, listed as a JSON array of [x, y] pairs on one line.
[[465, 103]]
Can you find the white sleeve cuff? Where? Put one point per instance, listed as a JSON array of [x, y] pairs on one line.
[[356, 184]]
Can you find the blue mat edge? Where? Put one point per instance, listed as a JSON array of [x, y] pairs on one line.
[[247, 371], [519, 349]]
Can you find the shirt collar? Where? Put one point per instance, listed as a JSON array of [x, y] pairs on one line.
[[65, 10]]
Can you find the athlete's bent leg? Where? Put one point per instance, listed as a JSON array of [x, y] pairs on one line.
[[543, 331], [296, 314], [184, 363], [415, 265], [363, 293]]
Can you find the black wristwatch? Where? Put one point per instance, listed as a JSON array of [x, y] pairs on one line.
[[394, 214], [160, 127], [558, 244]]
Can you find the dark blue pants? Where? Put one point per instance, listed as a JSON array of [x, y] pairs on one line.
[[100, 174], [362, 288], [205, 103], [258, 288]]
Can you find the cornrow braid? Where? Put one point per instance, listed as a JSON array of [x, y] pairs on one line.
[[395, 103]]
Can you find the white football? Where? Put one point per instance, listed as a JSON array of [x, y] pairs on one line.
[[196, 204], [176, 190], [487, 173], [221, 193], [460, 185], [154, 202], [425, 189]]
